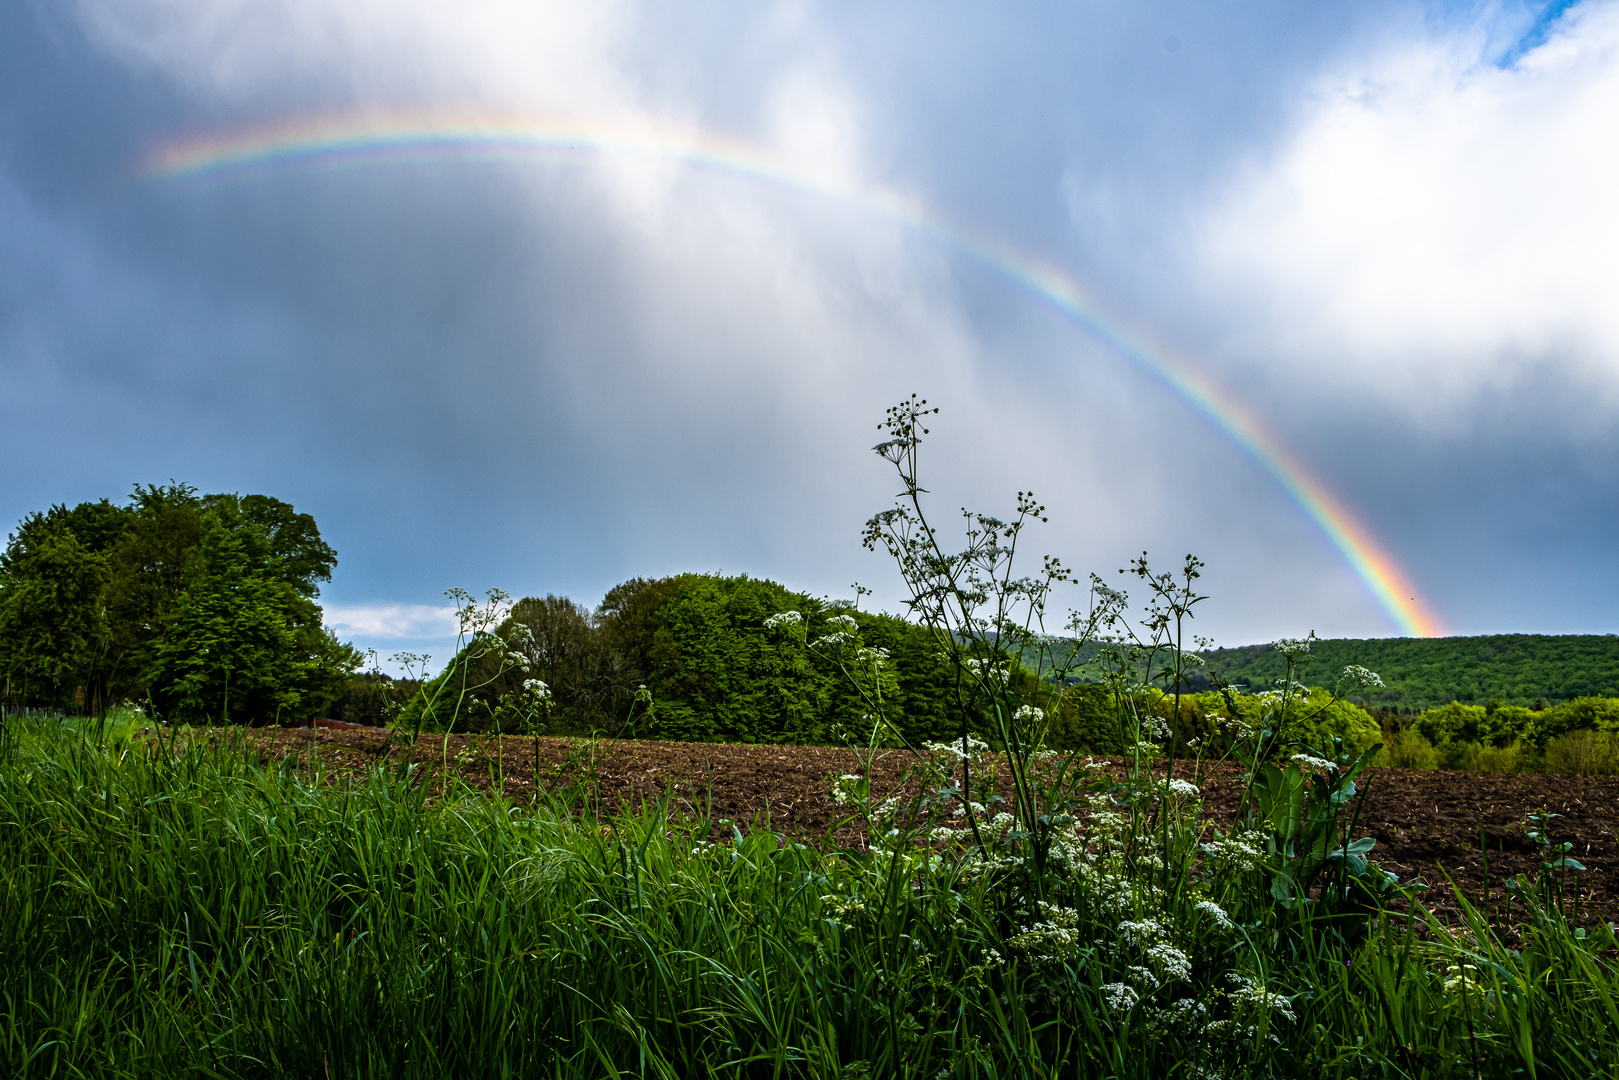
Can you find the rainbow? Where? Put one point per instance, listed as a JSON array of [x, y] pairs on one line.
[[340, 140]]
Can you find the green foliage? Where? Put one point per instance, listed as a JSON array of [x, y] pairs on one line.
[[719, 675], [372, 698], [203, 605], [711, 668], [1086, 718], [1405, 748], [1586, 753], [1500, 726], [1527, 670], [53, 626], [1315, 717]]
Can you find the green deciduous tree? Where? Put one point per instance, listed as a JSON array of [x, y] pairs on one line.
[[53, 626], [204, 605]]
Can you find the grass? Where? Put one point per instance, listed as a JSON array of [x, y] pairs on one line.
[[191, 911]]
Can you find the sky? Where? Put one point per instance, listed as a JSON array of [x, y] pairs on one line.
[[545, 296]]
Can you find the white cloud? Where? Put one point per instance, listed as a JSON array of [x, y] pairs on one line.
[[246, 52], [1438, 224], [403, 621]]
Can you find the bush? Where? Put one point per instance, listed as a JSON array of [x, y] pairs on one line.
[[1085, 718], [1585, 753], [1405, 748], [1314, 719], [1482, 757]]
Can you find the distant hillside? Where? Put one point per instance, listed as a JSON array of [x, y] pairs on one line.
[[1517, 669]]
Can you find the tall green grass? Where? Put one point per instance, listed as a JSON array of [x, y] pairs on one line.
[[188, 911]]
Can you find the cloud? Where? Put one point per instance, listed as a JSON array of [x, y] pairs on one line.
[[411, 622], [1437, 225], [554, 375]]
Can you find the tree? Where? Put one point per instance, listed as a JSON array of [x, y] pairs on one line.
[[53, 626], [204, 604]]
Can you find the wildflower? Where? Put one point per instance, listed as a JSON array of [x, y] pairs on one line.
[[1184, 789], [843, 622], [1119, 997], [1258, 998], [786, 618], [894, 449], [1232, 853], [1354, 673], [1143, 977], [1292, 647], [843, 787], [1310, 761], [537, 687], [1136, 933], [1028, 712], [961, 748], [1215, 912], [1170, 962]]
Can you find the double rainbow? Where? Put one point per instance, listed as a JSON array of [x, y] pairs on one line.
[[367, 137]]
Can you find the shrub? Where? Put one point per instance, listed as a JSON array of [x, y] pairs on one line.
[[1585, 753], [1482, 757], [1405, 748]]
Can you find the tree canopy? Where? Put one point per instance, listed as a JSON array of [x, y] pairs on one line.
[[1529, 670], [202, 605]]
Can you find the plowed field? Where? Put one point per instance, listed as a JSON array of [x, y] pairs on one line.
[[1427, 824]]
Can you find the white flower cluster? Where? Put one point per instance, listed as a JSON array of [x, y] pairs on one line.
[[993, 674], [1119, 997], [843, 622], [1354, 673], [1027, 713], [967, 747], [1055, 938], [1258, 998], [536, 687], [1184, 789], [1216, 912], [1310, 761], [1233, 853], [1291, 647], [1169, 962], [1140, 932], [843, 788], [785, 619]]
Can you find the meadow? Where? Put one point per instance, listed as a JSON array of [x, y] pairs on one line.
[[191, 906]]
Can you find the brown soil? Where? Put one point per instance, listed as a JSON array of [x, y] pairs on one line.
[[1427, 824]]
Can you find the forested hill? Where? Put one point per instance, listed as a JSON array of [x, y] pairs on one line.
[[1516, 669]]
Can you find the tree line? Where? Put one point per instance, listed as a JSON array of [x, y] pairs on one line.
[[200, 607], [698, 657], [1530, 671]]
